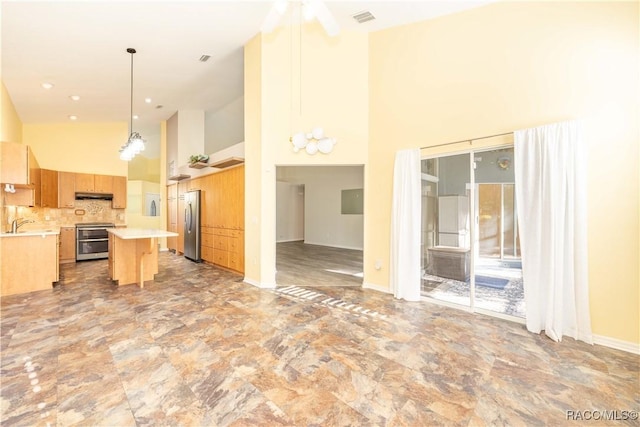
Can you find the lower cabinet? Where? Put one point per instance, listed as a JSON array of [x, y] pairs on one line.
[[67, 245], [206, 245], [228, 248]]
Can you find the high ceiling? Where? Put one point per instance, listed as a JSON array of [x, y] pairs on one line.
[[80, 47]]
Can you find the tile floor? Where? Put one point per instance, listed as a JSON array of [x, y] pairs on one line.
[[198, 347]]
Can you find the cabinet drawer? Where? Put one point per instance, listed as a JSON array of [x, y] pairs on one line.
[[234, 245], [207, 240], [234, 262], [207, 253], [221, 257], [221, 242]]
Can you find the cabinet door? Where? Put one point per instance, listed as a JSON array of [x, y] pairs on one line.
[[14, 163], [66, 189], [119, 192], [172, 217], [103, 183], [85, 182], [48, 188], [67, 244]]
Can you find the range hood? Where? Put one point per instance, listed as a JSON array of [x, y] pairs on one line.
[[94, 196]]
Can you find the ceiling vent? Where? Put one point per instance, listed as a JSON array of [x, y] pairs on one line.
[[363, 16], [204, 58]]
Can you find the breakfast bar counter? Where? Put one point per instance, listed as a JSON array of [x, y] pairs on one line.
[[133, 254]]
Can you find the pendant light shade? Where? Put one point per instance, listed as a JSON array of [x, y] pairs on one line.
[[135, 143]]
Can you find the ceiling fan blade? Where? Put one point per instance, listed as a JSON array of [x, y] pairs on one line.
[[325, 17], [272, 19]]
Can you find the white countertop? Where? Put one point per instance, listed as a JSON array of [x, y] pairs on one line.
[[20, 233], [140, 233]]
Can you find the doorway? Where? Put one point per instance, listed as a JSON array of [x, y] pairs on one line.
[[470, 244], [319, 225]]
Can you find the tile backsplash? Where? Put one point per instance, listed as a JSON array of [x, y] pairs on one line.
[[84, 211]]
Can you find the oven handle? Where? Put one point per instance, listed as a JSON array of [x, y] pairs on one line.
[[93, 240], [93, 228]]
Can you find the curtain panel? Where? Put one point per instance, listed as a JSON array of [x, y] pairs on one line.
[[551, 193], [405, 226]]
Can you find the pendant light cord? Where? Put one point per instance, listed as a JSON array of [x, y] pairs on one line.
[[131, 51]]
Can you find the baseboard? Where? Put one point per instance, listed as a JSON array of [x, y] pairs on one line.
[[258, 284], [617, 344], [374, 287], [289, 240], [332, 246]]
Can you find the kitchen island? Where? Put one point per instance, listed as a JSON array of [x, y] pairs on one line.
[[29, 261], [133, 254]]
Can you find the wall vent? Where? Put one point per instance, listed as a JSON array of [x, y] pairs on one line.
[[363, 16], [204, 58]]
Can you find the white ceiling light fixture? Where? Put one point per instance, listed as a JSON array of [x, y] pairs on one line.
[[47, 85], [135, 143], [311, 9], [313, 142], [74, 97]]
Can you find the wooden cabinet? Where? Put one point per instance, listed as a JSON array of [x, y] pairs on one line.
[[182, 188], [172, 215], [85, 182], [48, 188], [14, 163], [66, 189], [103, 184], [18, 166], [228, 248], [17, 272], [67, 244], [119, 188], [206, 244]]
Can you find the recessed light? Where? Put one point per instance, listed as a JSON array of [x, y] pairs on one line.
[[47, 85], [135, 117], [75, 97], [73, 117], [147, 100]]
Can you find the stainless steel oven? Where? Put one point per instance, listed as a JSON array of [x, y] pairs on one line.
[[92, 240]]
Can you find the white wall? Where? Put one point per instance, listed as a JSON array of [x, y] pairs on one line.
[[323, 222], [224, 127], [289, 212]]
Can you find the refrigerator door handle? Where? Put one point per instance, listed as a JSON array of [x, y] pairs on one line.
[[188, 214]]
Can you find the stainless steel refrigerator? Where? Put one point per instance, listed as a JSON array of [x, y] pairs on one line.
[[192, 225]]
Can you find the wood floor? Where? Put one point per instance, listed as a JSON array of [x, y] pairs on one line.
[[300, 264]]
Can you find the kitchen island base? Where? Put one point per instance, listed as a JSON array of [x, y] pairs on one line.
[[133, 255]]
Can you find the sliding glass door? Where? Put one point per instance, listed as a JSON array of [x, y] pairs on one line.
[[470, 245]]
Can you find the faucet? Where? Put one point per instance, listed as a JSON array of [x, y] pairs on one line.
[[17, 224]]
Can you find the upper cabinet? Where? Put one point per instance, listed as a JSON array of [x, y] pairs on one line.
[[18, 166], [103, 184], [85, 183], [119, 192], [48, 188], [66, 189], [14, 163]]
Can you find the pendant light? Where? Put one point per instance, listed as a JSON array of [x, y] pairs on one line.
[[135, 143]]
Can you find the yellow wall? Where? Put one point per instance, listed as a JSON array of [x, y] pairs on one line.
[[285, 94], [509, 66], [142, 168], [253, 156], [78, 147], [10, 124]]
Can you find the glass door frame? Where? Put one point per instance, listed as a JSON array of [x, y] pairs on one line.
[[474, 241]]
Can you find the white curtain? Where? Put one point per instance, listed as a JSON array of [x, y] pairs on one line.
[[405, 226], [550, 172]]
